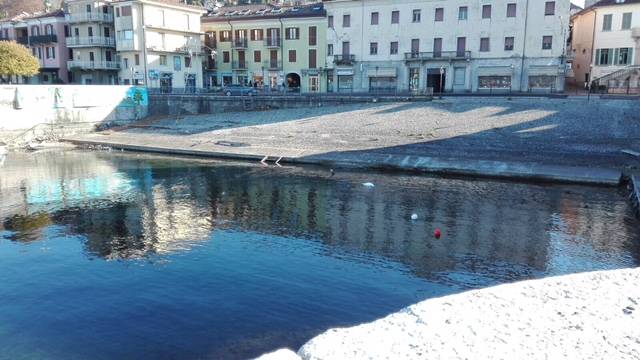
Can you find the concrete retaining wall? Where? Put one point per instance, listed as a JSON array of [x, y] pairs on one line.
[[23, 107]]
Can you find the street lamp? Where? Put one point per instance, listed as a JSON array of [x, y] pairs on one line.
[[441, 84]]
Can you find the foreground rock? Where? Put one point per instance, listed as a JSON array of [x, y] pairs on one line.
[[582, 316]]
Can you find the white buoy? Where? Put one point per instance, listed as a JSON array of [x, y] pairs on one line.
[[368, 184], [414, 216]]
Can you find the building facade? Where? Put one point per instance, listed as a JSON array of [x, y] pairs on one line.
[[267, 47], [446, 45], [606, 42], [159, 44]]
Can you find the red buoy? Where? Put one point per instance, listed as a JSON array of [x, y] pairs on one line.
[[437, 233]]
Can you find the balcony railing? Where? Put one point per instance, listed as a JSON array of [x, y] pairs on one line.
[[344, 59], [125, 44], [89, 17], [240, 43], [239, 65], [24, 40], [272, 64], [272, 42], [43, 39], [437, 55], [91, 41], [93, 65]]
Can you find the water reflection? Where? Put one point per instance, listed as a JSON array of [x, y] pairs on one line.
[[126, 207]]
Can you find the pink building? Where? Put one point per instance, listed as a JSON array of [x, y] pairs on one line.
[[45, 35]]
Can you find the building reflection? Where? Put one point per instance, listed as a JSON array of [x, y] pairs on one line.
[[125, 208]]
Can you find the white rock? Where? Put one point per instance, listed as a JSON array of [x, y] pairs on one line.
[[580, 316], [368, 184], [282, 354], [414, 216]]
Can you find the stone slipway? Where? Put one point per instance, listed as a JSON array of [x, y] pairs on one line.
[[362, 159], [580, 316]]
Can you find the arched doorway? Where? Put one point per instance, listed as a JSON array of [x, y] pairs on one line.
[[293, 82]]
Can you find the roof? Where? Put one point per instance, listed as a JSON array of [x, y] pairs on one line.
[[175, 3], [614, 2], [264, 11], [55, 13]]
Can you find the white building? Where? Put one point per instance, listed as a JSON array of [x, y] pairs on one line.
[[159, 44], [605, 43], [402, 45]]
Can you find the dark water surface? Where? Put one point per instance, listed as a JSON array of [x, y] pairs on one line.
[[124, 256]]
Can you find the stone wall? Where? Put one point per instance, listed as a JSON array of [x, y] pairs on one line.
[[24, 107]]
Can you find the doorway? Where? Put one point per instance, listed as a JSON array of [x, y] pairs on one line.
[[435, 81]]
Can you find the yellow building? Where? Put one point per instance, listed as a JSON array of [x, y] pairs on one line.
[[268, 47]]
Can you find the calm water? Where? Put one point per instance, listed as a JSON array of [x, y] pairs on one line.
[[124, 256]]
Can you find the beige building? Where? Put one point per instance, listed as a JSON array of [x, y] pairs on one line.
[[270, 48], [92, 54], [159, 44]]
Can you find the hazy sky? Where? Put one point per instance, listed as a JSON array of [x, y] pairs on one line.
[[578, 2]]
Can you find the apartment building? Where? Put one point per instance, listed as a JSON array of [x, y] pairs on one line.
[[159, 44], [606, 43], [92, 45], [268, 47], [446, 45], [45, 35]]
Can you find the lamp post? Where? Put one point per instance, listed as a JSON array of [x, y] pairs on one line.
[[441, 84]]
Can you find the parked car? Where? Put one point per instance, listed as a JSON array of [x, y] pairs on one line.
[[239, 90]]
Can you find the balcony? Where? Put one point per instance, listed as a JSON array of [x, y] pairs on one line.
[[24, 40], [125, 45], [272, 42], [437, 56], [91, 41], [2, 38], [93, 65], [344, 59], [240, 44], [239, 65], [43, 39], [89, 17], [272, 64]]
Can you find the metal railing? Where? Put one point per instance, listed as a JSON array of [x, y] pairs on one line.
[[91, 41], [344, 59], [240, 43], [43, 39], [93, 65], [272, 42], [240, 65], [88, 17], [272, 64], [437, 55], [24, 40]]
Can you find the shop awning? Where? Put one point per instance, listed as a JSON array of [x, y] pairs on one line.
[[495, 71], [344, 72], [382, 72]]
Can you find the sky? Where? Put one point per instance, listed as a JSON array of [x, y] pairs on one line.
[[578, 2]]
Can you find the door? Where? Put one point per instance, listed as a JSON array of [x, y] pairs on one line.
[[273, 59], [107, 33], [241, 60], [462, 46], [314, 84]]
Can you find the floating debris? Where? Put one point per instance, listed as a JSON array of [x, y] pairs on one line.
[[368, 184], [414, 216]]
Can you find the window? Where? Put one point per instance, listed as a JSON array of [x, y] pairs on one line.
[[416, 16], [622, 56], [486, 11], [312, 59], [117, 12], [330, 21], [292, 56], [484, 44], [226, 58], [257, 56], [67, 32], [437, 47], [439, 16], [606, 22], [346, 20], [257, 35], [225, 35], [163, 60], [187, 62], [313, 38], [462, 13], [459, 75], [177, 63], [511, 10], [330, 49], [126, 10], [136, 58], [292, 33], [90, 31], [127, 34], [547, 42], [187, 21], [35, 31], [604, 56], [48, 29], [395, 17], [626, 21], [375, 18], [393, 48], [88, 8], [163, 40], [550, 8], [508, 43], [373, 48]]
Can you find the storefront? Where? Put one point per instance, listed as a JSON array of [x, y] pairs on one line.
[[382, 79], [495, 78], [345, 80], [543, 78]]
